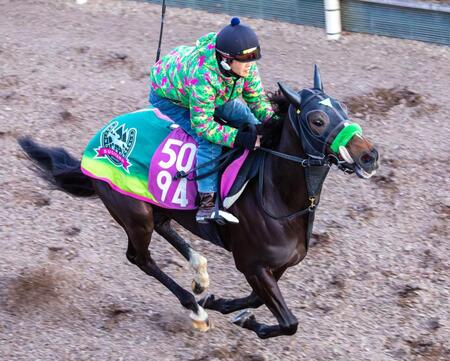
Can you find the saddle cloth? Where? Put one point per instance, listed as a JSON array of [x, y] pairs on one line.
[[138, 154]]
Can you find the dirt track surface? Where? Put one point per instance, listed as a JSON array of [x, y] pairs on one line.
[[375, 283]]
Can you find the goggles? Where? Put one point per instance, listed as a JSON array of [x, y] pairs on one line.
[[245, 56], [248, 55]]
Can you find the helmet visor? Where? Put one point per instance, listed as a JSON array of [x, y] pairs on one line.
[[248, 55]]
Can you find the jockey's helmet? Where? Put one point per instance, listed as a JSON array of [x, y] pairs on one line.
[[238, 41]]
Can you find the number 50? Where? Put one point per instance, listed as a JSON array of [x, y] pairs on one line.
[[164, 179]]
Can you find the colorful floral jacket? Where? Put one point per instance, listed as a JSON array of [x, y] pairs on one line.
[[191, 76]]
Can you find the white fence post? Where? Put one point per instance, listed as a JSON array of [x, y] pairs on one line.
[[333, 19]]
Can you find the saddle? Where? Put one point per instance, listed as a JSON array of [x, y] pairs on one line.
[[140, 154]]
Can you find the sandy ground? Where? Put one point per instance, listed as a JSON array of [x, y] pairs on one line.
[[375, 284]]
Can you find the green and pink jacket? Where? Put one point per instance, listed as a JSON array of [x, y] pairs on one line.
[[190, 76]]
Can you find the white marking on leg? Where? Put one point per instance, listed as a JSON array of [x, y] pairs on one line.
[[200, 316], [199, 264]]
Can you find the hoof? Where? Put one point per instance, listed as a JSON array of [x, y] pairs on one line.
[[200, 319], [197, 288], [242, 317], [202, 326], [206, 301]]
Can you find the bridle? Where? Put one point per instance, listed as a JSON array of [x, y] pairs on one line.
[[315, 163]]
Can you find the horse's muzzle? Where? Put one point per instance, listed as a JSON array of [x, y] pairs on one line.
[[367, 164]]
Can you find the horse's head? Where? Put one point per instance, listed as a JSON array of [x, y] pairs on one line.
[[323, 125]]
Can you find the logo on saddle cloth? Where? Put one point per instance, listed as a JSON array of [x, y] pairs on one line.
[[116, 144]]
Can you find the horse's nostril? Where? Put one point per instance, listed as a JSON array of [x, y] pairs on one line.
[[367, 158]]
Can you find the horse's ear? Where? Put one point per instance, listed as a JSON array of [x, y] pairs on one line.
[[290, 95], [317, 81]]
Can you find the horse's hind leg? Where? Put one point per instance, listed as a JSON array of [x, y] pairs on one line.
[[136, 217], [197, 262], [140, 239]]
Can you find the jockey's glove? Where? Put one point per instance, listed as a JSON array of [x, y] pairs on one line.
[[267, 126], [246, 136]]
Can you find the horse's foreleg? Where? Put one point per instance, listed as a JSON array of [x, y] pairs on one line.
[[230, 305], [265, 286], [197, 262], [225, 306]]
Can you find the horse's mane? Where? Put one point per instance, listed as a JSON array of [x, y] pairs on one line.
[[271, 131]]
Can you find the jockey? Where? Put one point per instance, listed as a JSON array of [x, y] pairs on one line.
[[192, 84]]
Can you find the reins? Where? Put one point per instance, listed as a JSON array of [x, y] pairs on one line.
[[223, 159], [303, 162]]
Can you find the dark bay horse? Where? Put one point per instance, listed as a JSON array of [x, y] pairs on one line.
[[276, 210]]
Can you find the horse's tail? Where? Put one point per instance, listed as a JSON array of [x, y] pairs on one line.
[[59, 168]]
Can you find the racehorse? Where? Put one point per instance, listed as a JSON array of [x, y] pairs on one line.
[[275, 211]]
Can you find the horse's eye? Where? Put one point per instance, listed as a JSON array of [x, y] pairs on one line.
[[318, 122]]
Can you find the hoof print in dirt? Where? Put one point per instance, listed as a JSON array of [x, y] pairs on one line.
[[113, 59], [381, 100], [59, 252], [391, 162], [171, 323], [72, 231], [386, 181], [9, 95], [428, 350], [324, 308], [8, 81], [362, 211], [433, 324], [82, 49], [408, 291], [338, 281], [66, 115], [41, 201], [319, 239], [408, 295], [114, 314], [118, 56]]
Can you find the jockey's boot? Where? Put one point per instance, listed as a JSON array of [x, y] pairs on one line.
[[206, 211]]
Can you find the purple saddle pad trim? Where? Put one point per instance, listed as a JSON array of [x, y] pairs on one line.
[[230, 174]]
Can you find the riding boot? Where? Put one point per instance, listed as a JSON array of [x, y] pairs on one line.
[[205, 211]]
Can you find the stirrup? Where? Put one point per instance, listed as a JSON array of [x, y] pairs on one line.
[[220, 217]]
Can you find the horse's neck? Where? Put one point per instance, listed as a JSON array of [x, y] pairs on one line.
[[287, 178]]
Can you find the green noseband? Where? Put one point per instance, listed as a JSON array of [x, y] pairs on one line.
[[345, 135]]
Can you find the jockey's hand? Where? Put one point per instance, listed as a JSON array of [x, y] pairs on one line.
[[267, 126], [246, 137], [258, 141]]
